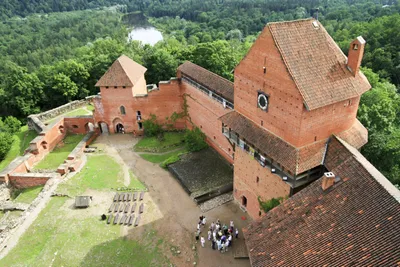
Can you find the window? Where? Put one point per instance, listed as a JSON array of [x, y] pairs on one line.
[[262, 123], [258, 179], [244, 201], [115, 86], [262, 101], [106, 87], [138, 116], [355, 46], [122, 110], [140, 125], [123, 86], [265, 70], [75, 126]]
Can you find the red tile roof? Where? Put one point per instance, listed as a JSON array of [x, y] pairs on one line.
[[316, 63], [123, 72], [212, 81], [357, 135], [296, 160], [354, 223]]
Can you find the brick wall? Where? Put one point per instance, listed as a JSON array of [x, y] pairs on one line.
[[78, 125], [204, 113], [245, 183], [24, 180], [286, 116]]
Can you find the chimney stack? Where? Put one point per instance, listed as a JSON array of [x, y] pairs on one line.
[[356, 52], [328, 180]]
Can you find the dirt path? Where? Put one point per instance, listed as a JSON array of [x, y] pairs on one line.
[[179, 213]]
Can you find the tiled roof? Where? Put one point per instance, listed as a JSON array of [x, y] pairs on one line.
[[123, 72], [354, 223], [316, 63], [292, 159], [212, 81], [357, 135]]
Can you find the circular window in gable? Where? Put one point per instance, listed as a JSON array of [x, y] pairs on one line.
[[262, 101]]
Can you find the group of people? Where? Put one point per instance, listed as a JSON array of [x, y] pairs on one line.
[[220, 235]]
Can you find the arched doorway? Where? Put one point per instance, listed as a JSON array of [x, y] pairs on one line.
[[103, 127], [244, 201], [89, 127], [119, 128]]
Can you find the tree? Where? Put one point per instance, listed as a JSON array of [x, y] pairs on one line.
[[6, 141], [10, 125]]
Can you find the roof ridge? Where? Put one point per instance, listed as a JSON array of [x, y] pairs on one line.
[[291, 21], [375, 173], [214, 74]]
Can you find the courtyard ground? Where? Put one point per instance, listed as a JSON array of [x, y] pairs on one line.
[[63, 236]]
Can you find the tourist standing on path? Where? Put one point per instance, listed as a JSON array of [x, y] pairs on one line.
[[204, 220], [219, 244], [209, 234], [237, 233], [202, 240], [232, 226]]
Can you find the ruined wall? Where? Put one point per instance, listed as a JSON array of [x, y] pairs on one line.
[[251, 180], [204, 113], [78, 125], [26, 180]]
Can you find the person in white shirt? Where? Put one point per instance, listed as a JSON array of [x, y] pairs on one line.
[[202, 240]]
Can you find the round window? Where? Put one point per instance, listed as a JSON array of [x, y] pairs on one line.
[[262, 101]]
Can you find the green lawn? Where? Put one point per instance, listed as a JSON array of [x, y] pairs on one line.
[[21, 142], [90, 107], [100, 172], [60, 153], [73, 113], [58, 237], [152, 144], [160, 158], [27, 195]]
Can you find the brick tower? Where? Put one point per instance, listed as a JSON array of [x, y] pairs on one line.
[[292, 92]]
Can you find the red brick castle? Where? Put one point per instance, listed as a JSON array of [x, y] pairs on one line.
[[293, 92]]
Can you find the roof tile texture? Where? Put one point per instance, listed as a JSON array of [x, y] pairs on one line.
[[123, 72], [353, 223], [212, 81], [316, 63]]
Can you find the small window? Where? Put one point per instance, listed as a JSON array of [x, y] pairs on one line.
[[355, 46], [140, 125], [106, 87], [258, 179], [138, 116], [75, 126], [262, 123], [259, 213], [115, 86], [123, 86], [315, 138], [265, 70], [122, 110], [138, 113]]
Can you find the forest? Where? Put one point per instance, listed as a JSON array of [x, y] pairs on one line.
[[53, 52]]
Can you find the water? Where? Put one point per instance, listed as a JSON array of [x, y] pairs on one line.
[[142, 30], [147, 35]]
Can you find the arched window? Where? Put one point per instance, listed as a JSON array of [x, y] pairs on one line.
[[122, 109]]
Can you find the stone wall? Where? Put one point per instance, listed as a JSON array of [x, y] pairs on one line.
[[25, 180]]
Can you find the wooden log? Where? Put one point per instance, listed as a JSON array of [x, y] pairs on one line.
[[141, 196], [111, 207], [109, 219], [141, 208], [116, 207], [133, 207], [131, 218], [116, 197], [137, 220], [121, 208], [116, 219], [122, 219], [127, 207]]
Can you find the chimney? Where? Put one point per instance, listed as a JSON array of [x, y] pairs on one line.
[[328, 180], [356, 52]]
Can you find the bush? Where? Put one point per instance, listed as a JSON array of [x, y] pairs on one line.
[[270, 204], [151, 127], [169, 161], [10, 125], [6, 141], [195, 140]]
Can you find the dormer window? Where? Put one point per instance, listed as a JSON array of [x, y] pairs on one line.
[[122, 110]]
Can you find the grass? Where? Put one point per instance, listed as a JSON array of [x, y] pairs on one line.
[[27, 195], [152, 144], [90, 107], [58, 239], [100, 172], [60, 153], [21, 142], [61, 237], [135, 183], [156, 158], [74, 113]]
